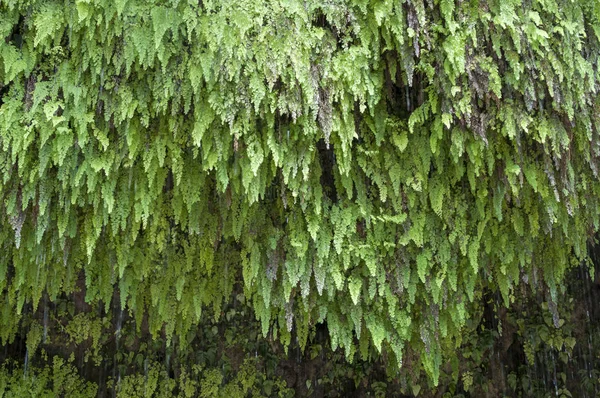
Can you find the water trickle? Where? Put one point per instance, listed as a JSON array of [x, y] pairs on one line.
[[115, 362], [146, 377], [37, 275], [26, 363], [545, 369], [537, 378], [554, 374], [118, 381], [581, 357], [529, 374], [501, 366], [119, 326], [114, 390], [591, 356], [298, 354], [45, 335]]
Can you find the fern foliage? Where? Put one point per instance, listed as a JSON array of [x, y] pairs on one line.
[[372, 165]]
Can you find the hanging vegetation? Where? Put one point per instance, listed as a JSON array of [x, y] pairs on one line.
[[377, 167]]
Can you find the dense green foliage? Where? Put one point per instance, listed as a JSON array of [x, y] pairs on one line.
[[373, 166], [514, 352]]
